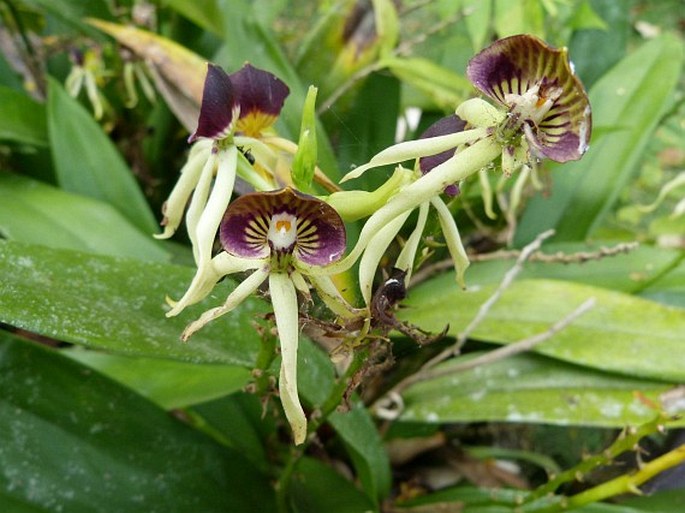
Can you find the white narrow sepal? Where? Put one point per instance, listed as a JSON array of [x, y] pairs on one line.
[[409, 150], [199, 201], [244, 289], [405, 260], [374, 251], [284, 302], [178, 199], [206, 277], [208, 224], [451, 233], [486, 193]]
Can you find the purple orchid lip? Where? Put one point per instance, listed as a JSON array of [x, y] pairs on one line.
[[524, 68], [447, 125], [218, 105], [260, 95], [250, 223]]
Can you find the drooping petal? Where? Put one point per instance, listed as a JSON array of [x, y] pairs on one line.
[[219, 106], [244, 289], [409, 150], [284, 302], [286, 221], [261, 96], [522, 72], [453, 239], [447, 125]]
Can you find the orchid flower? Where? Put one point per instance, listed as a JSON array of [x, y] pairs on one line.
[[245, 102], [541, 110], [282, 236]]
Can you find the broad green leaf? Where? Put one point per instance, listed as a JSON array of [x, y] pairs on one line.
[[535, 389], [87, 163], [178, 73], [585, 17], [118, 304], [669, 287], [632, 96], [628, 272], [75, 441], [204, 13], [168, 383], [72, 13], [487, 500], [316, 487], [622, 333], [357, 430], [239, 421], [33, 212], [519, 17], [21, 119], [444, 87]]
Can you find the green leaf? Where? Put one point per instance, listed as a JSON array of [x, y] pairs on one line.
[[670, 287], [204, 13], [444, 87], [519, 17], [478, 21], [21, 119], [531, 388], [168, 383], [357, 430], [585, 17], [75, 441], [628, 272], [622, 333], [33, 212], [118, 304], [87, 163], [632, 96], [315, 488]]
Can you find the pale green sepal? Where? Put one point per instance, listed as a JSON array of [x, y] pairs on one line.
[[409, 150], [244, 289], [332, 298], [375, 250], [284, 302], [479, 113], [199, 201], [304, 163], [206, 277], [354, 205], [451, 233], [465, 163], [300, 284], [178, 199], [208, 224], [517, 191], [486, 193], [405, 260]]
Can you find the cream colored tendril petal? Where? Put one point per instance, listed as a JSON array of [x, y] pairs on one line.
[[417, 148], [479, 113], [199, 201], [486, 193], [405, 260], [206, 277], [188, 179], [332, 298], [284, 302], [461, 166], [244, 289], [451, 233], [219, 198], [375, 250]]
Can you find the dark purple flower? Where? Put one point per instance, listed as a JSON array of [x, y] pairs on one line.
[[447, 125], [248, 101], [284, 222], [544, 97]]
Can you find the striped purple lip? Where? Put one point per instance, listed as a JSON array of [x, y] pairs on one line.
[[537, 83], [285, 221]]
